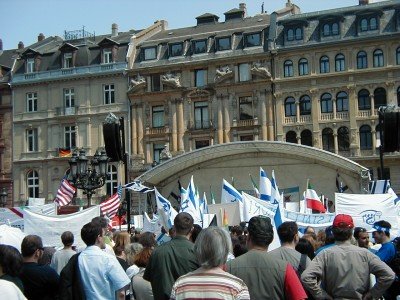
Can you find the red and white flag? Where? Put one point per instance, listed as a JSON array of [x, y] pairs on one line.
[[313, 201], [110, 207], [65, 193]]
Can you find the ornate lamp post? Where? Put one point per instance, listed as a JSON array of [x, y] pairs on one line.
[[88, 178], [3, 197]]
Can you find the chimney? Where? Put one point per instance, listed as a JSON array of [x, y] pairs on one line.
[[363, 2], [243, 7], [21, 45], [1, 45], [114, 29], [40, 37]]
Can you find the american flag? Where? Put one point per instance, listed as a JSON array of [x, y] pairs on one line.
[[110, 207], [65, 193]]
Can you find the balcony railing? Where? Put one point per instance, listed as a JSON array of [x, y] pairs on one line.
[[290, 120], [342, 115], [155, 131], [66, 111], [364, 113], [305, 119], [245, 123], [200, 125], [326, 116]]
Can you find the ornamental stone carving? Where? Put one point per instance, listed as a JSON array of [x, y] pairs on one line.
[[222, 73], [171, 80], [260, 70], [137, 83]]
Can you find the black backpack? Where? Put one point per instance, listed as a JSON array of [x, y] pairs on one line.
[[70, 281], [394, 263]]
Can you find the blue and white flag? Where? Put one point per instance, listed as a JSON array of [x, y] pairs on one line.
[[137, 186], [204, 205], [275, 195], [265, 186], [192, 194], [229, 193], [165, 209]]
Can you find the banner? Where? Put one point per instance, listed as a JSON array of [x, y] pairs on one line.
[[253, 206], [50, 228], [14, 216], [291, 194], [313, 220], [369, 208]]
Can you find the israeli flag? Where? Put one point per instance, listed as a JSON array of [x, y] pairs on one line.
[[165, 209], [137, 186], [265, 186], [275, 195], [229, 193]]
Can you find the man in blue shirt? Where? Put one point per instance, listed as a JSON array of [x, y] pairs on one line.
[[101, 274], [381, 235]]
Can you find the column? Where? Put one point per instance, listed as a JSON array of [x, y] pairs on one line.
[[297, 111], [372, 104], [277, 97], [263, 114], [140, 129], [134, 142], [220, 124], [335, 141], [181, 125], [227, 101], [315, 105], [334, 107], [270, 115], [174, 129], [148, 155], [353, 105], [373, 133]]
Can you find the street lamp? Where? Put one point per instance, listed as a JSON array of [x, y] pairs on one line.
[[3, 197], [88, 177]]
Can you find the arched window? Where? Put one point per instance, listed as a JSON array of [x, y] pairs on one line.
[[373, 24], [343, 139], [291, 137], [305, 105], [288, 68], [364, 101], [327, 140], [299, 33], [364, 25], [32, 183], [290, 35], [326, 30], [378, 58], [339, 63], [112, 180], [342, 102], [398, 56], [306, 137], [324, 64], [365, 138], [398, 96], [362, 60], [335, 29], [326, 103], [380, 97], [303, 67], [290, 107]]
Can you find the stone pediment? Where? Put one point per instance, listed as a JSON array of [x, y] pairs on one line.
[[199, 94], [171, 80], [136, 83], [223, 73], [260, 70]]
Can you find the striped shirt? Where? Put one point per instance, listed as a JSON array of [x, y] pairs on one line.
[[209, 284]]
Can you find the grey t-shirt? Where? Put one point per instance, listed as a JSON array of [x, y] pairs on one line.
[[60, 259], [298, 261]]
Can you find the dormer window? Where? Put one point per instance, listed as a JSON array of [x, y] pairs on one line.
[[176, 49], [107, 56], [30, 65], [368, 24], [224, 44], [150, 53], [294, 34], [252, 40], [67, 62], [200, 46], [330, 29]]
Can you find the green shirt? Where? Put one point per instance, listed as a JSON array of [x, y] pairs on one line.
[[168, 262]]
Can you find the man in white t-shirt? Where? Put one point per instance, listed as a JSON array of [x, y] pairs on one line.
[[62, 256]]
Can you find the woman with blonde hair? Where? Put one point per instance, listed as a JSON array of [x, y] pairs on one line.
[[121, 239]]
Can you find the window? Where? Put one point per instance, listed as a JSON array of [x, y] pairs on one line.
[[32, 140], [244, 72], [326, 103], [201, 115], [67, 63], [303, 67], [364, 24], [157, 114], [200, 46], [362, 60], [246, 138], [379, 97], [342, 102], [305, 105], [339, 63], [109, 93], [330, 29], [343, 139], [245, 108], [327, 140], [373, 24], [306, 137], [364, 101], [398, 56], [324, 64], [30, 65], [335, 29], [378, 58], [365, 138], [290, 35], [150, 53], [291, 137], [33, 184], [326, 31], [69, 97], [224, 44], [31, 102], [288, 68], [298, 34], [202, 144], [155, 83], [290, 107], [70, 137], [112, 180], [107, 56], [157, 149], [367, 24], [252, 40], [200, 78], [176, 49]]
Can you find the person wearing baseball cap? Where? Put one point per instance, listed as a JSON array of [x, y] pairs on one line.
[[381, 234], [344, 269]]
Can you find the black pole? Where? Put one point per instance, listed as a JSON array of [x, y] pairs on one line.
[[126, 161], [381, 146]]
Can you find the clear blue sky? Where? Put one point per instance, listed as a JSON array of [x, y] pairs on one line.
[[23, 20]]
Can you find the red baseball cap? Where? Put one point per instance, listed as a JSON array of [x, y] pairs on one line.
[[343, 221]]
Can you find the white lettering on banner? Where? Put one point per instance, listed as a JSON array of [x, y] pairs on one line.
[[308, 218]]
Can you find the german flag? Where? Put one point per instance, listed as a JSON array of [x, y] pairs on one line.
[[63, 152]]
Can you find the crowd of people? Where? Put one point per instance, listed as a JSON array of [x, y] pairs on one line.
[[211, 263]]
